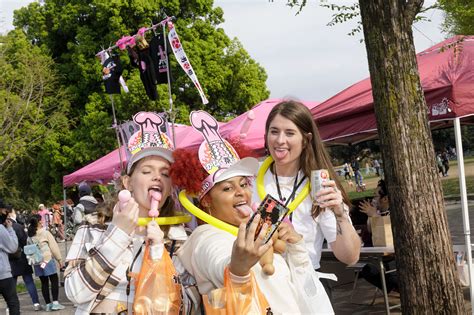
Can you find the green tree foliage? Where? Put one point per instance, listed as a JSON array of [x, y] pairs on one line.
[[33, 110], [459, 16], [74, 31]]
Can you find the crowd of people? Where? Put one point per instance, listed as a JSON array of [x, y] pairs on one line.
[[121, 247]]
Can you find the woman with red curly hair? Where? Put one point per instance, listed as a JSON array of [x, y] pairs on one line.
[[220, 180]]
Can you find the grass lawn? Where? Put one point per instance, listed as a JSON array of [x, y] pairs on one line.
[[450, 187]]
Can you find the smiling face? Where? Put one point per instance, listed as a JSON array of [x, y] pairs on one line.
[[150, 173], [225, 198], [285, 143]]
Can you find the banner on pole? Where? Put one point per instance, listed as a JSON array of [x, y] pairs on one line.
[[183, 60]]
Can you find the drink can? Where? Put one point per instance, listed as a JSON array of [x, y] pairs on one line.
[[318, 177]]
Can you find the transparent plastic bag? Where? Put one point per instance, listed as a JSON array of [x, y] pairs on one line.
[[236, 298], [157, 288]]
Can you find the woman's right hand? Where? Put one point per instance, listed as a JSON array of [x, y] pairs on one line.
[[126, 219], [246, 251]]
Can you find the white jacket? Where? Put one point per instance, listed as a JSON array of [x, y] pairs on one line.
[[294, 288]]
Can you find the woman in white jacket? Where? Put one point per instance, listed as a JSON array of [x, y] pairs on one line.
[[226, 194]]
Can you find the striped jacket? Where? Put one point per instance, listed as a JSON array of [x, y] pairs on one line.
[[97, 261]]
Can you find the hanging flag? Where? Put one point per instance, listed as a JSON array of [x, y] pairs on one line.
[[183, 60]]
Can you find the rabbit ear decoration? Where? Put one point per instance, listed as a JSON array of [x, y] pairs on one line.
[[149, 140], [217, 156]]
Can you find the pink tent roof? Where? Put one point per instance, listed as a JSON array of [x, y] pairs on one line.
[[104, 168], [447, 78], [101, 170]]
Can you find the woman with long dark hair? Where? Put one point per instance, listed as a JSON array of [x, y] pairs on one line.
[[47, 269]]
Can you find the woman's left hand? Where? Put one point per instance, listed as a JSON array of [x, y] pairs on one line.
[[330, 197], [153, 233]]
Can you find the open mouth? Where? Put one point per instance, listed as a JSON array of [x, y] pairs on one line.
[[156, 188]]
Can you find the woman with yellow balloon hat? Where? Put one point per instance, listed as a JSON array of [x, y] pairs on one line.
[[224, 248], [101, 263], [295, 148]]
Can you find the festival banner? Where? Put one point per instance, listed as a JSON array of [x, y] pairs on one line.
[[183, 60]]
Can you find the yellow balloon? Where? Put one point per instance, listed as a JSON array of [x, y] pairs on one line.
[[166, 220], [183, 198], [261, 186]]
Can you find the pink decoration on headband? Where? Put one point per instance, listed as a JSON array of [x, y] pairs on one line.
[[149, 134], [215, 154]]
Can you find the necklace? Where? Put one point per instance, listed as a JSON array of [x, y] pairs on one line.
[[296, 185], [261, 186]]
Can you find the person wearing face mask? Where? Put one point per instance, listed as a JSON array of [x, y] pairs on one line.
[[379, 206], [99, 261], [8, 245], [219, 174], [295, 148], [19, 263]]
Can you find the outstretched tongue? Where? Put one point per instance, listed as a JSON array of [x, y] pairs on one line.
[[245, 210], [281, 154], [155, 198]]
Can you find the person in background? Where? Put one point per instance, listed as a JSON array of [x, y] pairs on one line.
[[380, 206], [445, 161], [377, 167], [58, 222], [46, 270], [19, 263], [46, 217], [8, 245], [87, 204], [292, 139]]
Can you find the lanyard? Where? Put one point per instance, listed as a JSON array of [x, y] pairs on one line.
[[296, 185]]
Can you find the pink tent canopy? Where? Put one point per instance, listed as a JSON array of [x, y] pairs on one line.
[[101, 170], [447, 77], [104, 168]]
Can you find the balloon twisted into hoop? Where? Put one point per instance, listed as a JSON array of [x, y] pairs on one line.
[[183, 198], [261, 186]]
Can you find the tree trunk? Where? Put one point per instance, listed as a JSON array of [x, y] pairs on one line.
[[424, 255]]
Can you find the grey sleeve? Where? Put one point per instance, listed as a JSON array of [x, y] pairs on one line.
[[8, 239]]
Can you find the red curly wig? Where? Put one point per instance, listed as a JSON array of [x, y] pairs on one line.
[[187, 172]]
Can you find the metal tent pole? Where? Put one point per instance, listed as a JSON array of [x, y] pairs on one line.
[[115, 126], [170, 98], [465, 210]]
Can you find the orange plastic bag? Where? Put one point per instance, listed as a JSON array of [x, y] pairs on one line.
[[236, 298], [157, 290]]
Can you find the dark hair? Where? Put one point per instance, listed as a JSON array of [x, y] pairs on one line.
[[313, 158], [33, 226], [383, 188]]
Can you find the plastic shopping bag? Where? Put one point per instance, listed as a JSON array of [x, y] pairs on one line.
[[157, 288], [236, 298]]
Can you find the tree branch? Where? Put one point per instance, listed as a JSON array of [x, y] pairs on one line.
[[412, 8]]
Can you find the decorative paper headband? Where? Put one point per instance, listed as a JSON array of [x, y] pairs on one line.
[[215, 154], [149, 140]]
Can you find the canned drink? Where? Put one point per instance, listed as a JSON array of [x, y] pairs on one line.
[[318, 177]]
